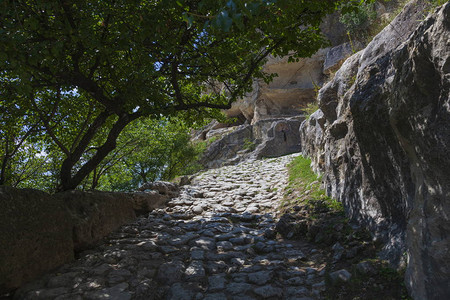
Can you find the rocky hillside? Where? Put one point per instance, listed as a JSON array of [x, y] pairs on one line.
[[380, 142], [381, 139]]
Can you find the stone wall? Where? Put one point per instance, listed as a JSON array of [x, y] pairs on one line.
[[35, 235], [39, 231], [382, 141]]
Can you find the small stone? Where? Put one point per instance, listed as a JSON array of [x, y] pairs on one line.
[[295, 254], [237, 261], [179, 292], [224, 237], [295, 281], [205, 243], [197, 210], [183, 239], [197, 254], [216, 283], [148, 246], [224, 246], [195, 270], [268, 291], [252, 210], [238, 288], [69, 297], [102, 269], [296, 291], [216, 296], [365, 267], [238, 240], [168, 249], [215, 267], [319, 286], [116, 292], [340, 276], [170, 272], [62, 280], [260, 247], [260, 278], [47, 293], [238, 297]]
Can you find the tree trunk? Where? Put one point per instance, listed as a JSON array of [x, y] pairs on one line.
[[95, 178], [69, 182], [5, 161], [3, 169]]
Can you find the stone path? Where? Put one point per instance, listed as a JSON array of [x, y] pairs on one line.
[[216, 241]]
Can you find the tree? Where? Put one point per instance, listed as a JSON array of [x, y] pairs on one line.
[[17, 127], [147, 150], [117, 61]]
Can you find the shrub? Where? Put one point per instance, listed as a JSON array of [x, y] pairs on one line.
[[358, 21]]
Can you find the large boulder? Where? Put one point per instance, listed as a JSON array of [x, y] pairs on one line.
[[266, 138], [225, 151], [382, 141], [282, 138], [35, 235]]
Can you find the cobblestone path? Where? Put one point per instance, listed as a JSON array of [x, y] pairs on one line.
[[215, 241]]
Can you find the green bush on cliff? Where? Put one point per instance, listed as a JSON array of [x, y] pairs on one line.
[[358, 22]]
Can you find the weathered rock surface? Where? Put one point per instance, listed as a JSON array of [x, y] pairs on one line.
[[287, 94], [337, 55], [265, 138], [144, 202], [296, 84], [283, 138], [35, 235], [382, 141]]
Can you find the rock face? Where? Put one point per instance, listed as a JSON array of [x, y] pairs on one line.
[[282, 138], [382, 141], [265, 138], [35, 235], [337, 55], [297, 82], [288, 94]]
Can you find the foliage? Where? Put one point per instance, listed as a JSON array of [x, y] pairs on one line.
[[382, 283], [148, 150], [310, 109], [436, 3], [249, 145], [18, 138], [304, 180], [359, 21], [379, 24], [87, 69]]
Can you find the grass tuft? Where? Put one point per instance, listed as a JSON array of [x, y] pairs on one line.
[[308, 186]]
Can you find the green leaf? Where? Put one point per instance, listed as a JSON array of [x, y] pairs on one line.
[[223, 21]]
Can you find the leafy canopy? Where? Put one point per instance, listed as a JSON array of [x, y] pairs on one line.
[[86, 69]]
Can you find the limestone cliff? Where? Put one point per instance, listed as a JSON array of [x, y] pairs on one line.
[[382, 140], [296, 83]]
